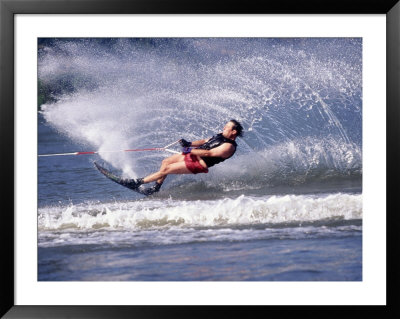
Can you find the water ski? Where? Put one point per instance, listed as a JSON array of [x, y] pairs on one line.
[[128, 183]]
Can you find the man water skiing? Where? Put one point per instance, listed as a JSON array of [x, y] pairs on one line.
[[197, 157]]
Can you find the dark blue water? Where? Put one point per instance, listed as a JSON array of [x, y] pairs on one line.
[[286, 207], [274, 260]]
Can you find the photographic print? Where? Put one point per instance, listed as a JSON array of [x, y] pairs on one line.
[[200, 159]]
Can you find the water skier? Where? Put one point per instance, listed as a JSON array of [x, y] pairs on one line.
[[197, 157]]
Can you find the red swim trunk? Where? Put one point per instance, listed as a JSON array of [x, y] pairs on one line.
[[193, 164]]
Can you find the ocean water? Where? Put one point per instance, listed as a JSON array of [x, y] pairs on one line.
[[286, 207]]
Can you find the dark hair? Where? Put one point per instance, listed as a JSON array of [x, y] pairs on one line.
[[238, 127]]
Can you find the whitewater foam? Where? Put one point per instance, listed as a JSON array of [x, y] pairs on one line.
[[243, 210]]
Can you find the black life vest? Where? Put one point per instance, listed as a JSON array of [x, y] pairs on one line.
[[214, 142]]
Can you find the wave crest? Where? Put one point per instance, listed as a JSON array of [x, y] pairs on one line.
[[243, 210]]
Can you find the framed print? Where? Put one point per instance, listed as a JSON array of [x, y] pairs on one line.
[[101, 101]]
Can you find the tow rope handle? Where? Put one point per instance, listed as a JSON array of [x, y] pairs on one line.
[[165, 148]]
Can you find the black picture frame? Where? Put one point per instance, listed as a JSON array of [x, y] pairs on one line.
[[8, 10]]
